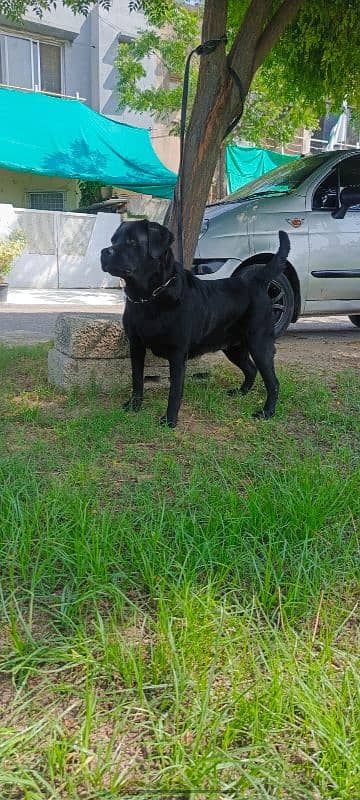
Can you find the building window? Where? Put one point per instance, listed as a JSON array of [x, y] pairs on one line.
[[30, 64], [46, 201], [18, 52], [50, 67]]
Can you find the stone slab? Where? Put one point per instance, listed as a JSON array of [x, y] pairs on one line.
[[68, 373], [91, 336], [107, 374]]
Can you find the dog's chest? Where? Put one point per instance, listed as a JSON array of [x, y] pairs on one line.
[[156, 332]]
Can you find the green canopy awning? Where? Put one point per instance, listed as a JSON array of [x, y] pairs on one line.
[[244, 164], [62, 137]]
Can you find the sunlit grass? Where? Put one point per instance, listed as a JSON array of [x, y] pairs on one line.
[[179, 610]]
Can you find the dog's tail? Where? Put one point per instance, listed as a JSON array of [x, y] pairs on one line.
[[267, 272]]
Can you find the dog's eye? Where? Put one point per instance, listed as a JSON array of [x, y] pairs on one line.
[[133, 242]]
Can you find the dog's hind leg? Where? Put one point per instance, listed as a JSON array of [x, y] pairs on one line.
[[137, 354], [262, 350], [239, 356]]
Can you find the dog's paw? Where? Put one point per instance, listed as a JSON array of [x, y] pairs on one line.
[[167, 423], [263, 414], [133, 404]]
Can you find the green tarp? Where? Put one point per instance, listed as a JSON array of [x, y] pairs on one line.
[[63, 137], [244, 164]]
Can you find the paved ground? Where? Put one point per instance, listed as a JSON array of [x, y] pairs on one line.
[[29, 317]]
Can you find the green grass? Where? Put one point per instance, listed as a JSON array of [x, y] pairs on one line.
[[179, 610]]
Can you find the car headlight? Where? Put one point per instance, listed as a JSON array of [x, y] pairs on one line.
[[204, 227]]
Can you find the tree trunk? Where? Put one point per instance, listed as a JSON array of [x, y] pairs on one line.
[[218, 102]]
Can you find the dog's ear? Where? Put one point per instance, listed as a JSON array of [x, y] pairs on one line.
[[160, 239]]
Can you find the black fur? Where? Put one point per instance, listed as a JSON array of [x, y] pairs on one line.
[[178, 316]]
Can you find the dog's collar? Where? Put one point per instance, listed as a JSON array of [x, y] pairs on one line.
[[154, 293]]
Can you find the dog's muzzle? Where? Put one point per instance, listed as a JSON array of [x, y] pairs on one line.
[[106, 264]]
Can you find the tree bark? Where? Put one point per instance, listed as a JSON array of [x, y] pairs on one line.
[[218, 102], [222, 173]]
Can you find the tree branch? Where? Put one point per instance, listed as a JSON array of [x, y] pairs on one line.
[[245, 43], [284, 15], [242, 53]]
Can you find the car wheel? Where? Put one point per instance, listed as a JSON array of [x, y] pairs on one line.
[[283, 301], [355, 319]]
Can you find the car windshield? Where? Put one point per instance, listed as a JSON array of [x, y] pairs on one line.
[[282, 180]]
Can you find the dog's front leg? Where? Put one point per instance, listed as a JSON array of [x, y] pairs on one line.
[[177, 363], [137, 355]]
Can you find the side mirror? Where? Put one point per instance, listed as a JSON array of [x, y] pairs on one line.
[[350, 196]]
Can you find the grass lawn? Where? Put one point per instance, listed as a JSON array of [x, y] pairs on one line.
[[179, 610]]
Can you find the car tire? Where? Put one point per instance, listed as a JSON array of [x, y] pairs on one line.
[[282, 296], [355, 319]]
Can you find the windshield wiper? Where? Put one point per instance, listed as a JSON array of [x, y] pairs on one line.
[[223, 202], [267, 192], [229, 200]]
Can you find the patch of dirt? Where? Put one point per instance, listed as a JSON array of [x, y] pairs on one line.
[[324, 350], [317, 346]]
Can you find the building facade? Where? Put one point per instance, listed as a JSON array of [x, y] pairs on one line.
[[73, 55]]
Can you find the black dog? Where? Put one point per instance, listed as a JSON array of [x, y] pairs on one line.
[[179, 316]]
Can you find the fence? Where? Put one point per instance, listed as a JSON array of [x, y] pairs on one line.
[[306, 144], [63, 250]]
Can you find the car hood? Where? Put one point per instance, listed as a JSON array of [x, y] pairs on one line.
[[267, 202], [229, 222], [224, 207]]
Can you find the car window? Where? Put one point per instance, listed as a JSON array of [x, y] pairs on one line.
[[349, 172], [326, 195]]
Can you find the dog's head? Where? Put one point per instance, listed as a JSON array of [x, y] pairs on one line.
[[137, 254]]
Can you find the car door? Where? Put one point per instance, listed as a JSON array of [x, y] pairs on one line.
[[334, 244]]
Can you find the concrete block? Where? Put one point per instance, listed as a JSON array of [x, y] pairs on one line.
[[152, 208], [93, 350], [91, 336], [67, 373]]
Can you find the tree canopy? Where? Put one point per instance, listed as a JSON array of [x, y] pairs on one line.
[[310, 48], [320, 54], [268, 113], [156, 10]]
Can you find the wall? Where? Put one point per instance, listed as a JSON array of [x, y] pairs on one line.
[[110, 25], [166, 147], [14, 185], [89, 57], [62, 250]]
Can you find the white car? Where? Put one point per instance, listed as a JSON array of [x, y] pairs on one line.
[[316, 199]]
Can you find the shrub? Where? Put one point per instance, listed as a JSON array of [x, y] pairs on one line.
[[10, 248]]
